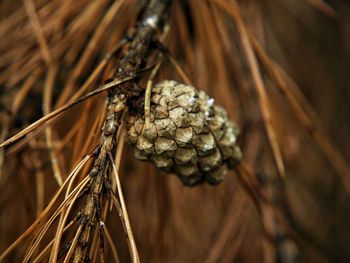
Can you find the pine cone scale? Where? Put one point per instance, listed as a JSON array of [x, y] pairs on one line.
[[186, 134]]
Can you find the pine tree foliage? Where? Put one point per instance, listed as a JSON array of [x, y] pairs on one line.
[[72, 190]]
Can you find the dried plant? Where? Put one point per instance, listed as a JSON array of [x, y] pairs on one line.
[[79, 77]]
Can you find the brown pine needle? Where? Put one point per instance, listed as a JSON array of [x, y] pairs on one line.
[[62, 109], [233, 249], [78, 142], [3, 134], [233, 9], [118, 157], [49, 84], [176, 65], [111, 244], [180, 70], [60, 229], [73, 245], [172, 60], [149, 87], [95, 248], [101, 66], [46, 250], [90, 50], [22, 93], [43, 215], [95, 129], [59, 210], [17, 147], [34, 19], [324, 8], [40, 186], [54, 47], [125, 218], [229, 228], [47, 100], [303, 111], [64, 216], [67, 138]]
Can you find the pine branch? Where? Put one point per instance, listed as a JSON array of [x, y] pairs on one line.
[[133, 59]]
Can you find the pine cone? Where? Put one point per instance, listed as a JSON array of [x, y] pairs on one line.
[[187, 134]]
